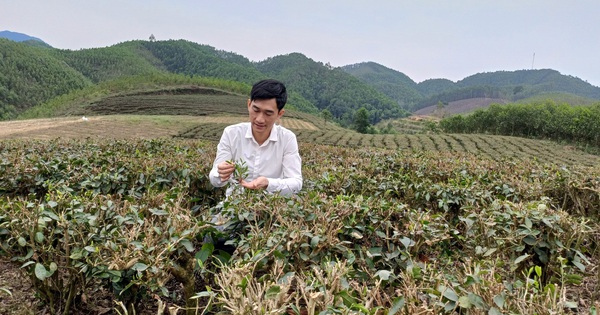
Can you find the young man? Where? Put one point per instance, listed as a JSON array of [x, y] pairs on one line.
[[269, 151]]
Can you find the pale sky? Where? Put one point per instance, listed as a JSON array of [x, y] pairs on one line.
[[423, 39]]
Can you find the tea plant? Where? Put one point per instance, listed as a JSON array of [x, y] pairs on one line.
[[373, 231]]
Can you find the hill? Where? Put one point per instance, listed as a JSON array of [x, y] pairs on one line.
[[43, 74], [20, 37], [476, 90], [31, 75], [343, 94], [330, 88], [392, 83]]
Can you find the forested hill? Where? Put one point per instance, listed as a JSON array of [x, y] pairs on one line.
[[508, 85], [32, 75], [392, 83], [330, 88]]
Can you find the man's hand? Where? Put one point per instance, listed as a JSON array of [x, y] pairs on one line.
[[225, 169], [259, 183]]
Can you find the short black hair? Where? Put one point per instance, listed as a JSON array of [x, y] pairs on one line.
[[268, 89]]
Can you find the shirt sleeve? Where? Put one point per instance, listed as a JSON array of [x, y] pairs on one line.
[[224, 153], [291, 181]]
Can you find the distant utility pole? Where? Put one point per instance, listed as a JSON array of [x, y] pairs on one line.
[[532, 61]]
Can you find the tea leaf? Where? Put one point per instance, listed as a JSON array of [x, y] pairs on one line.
[[397, 305], [499, 301], [521, 258], [273, 291], [41, 272], [383, 274]]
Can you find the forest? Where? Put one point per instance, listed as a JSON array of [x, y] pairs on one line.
[[31, 75]]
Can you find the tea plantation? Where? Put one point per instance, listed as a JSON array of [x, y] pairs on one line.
[[101, 225]]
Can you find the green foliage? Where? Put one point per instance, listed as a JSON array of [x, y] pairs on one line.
[[77, 102], [533, 82], [394, 84], [34, 75], [331, 89], [109, 63], [416, 138], [31, 75], [82, 217], [326, 115], [508, 85], [361, 120], [444, 231], [188, 58], [574, 124]]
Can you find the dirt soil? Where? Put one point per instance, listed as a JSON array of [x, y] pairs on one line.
[[120, 126], [21, 299], [459, 107]]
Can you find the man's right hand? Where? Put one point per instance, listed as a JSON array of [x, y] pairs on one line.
[[225, 169]]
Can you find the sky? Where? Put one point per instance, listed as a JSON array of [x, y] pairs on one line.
[[424, 39]]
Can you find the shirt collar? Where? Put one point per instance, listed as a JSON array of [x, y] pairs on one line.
[[272, 137]]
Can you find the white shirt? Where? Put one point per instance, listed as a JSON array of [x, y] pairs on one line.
[[277, 158]]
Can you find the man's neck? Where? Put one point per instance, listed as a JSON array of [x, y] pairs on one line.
[[262, 138]]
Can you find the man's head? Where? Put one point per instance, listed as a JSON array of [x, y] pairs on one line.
[[265, 106], [268, 89]]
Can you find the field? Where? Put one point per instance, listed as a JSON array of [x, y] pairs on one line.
[[108, 216], [459, 107]]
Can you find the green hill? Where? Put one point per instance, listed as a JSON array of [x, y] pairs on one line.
[[394, 84], [508, 86], [185, 57], [527, 83], [31, 75], [103, 64], [330, 88], [434, 86]]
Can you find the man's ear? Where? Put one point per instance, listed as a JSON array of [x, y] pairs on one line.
[[281, 111], [249, 103]]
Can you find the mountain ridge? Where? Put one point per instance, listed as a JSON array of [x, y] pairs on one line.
[[20, 37], [386, 93]]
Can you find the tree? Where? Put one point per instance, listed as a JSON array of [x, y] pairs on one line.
[[152, 38], [361, 120], [518, 89], [326, 114]]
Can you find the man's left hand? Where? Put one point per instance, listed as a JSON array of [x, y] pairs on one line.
[[259, 183]]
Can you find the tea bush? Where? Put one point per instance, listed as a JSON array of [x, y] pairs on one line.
[[373, 231]]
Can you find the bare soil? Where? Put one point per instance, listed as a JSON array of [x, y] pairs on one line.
[[120, 126], [459, 107], [21, 300]]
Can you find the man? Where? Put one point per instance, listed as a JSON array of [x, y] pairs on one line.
[[269, 151]]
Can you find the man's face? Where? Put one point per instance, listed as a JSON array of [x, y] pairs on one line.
[[263, 115]]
